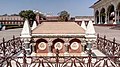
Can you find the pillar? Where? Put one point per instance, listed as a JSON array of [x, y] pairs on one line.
[[106, 17], [95, 19], [90, 33], [33, 49], [83, 46], [99, 19], [66, 53], [89, 45], [115, 22], [26, 45], [118, 16], [50, 49], [26, 36], [83, 43]]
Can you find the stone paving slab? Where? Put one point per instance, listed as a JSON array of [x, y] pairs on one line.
[[98, 53], [110, 33], [8, 34]]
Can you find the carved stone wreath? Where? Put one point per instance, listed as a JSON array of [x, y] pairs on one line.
[[42, 46], [58, 45], [74, 45]]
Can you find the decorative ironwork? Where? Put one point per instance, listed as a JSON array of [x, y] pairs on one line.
[[10, 49], [61, 61], [110, 48]]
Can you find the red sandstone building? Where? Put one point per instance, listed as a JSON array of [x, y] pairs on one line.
[[11, 20], [68, 37], [17, 20]]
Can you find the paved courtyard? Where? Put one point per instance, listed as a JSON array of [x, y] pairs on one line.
[[8, 34], [110, 33]]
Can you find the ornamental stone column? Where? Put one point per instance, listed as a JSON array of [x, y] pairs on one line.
[[26, 37], [115, 18], [118, 16], [89, 45], [106, 17], [33, 49], [83, 43], [66, 53], [95, 19], [90, 33], [66, 44], [50, 49], [99, 19]]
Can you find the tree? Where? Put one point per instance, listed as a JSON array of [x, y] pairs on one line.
[[63, 15], [5, 15], [14, 15], [41, 15], [28, 14]]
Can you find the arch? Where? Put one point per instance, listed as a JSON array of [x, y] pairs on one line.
[[37, 50], [102, 15], [77, 50], [74, 40], [118, 6], [56, 41], [97, 16], [118, 13], [41, 40], [111, 13]]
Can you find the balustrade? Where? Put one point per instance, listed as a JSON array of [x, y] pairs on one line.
[[110, 48], [9, 51]]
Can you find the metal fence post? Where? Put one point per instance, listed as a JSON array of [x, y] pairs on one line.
[[97, 41], [113, 47], [4, 47], [57, 58], [113, 50], [104, 43], [14, 43], [24, 58], [89, 58]]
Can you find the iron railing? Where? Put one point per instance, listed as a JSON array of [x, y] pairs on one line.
[[10, 47], [108, 47], [9, 51], [60, 61]]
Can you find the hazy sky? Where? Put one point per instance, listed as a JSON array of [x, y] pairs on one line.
[[74, 7]]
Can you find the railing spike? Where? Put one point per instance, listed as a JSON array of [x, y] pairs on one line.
[[98, 35], [13, 36], [114, 40], [104, 36], [3, 40]]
